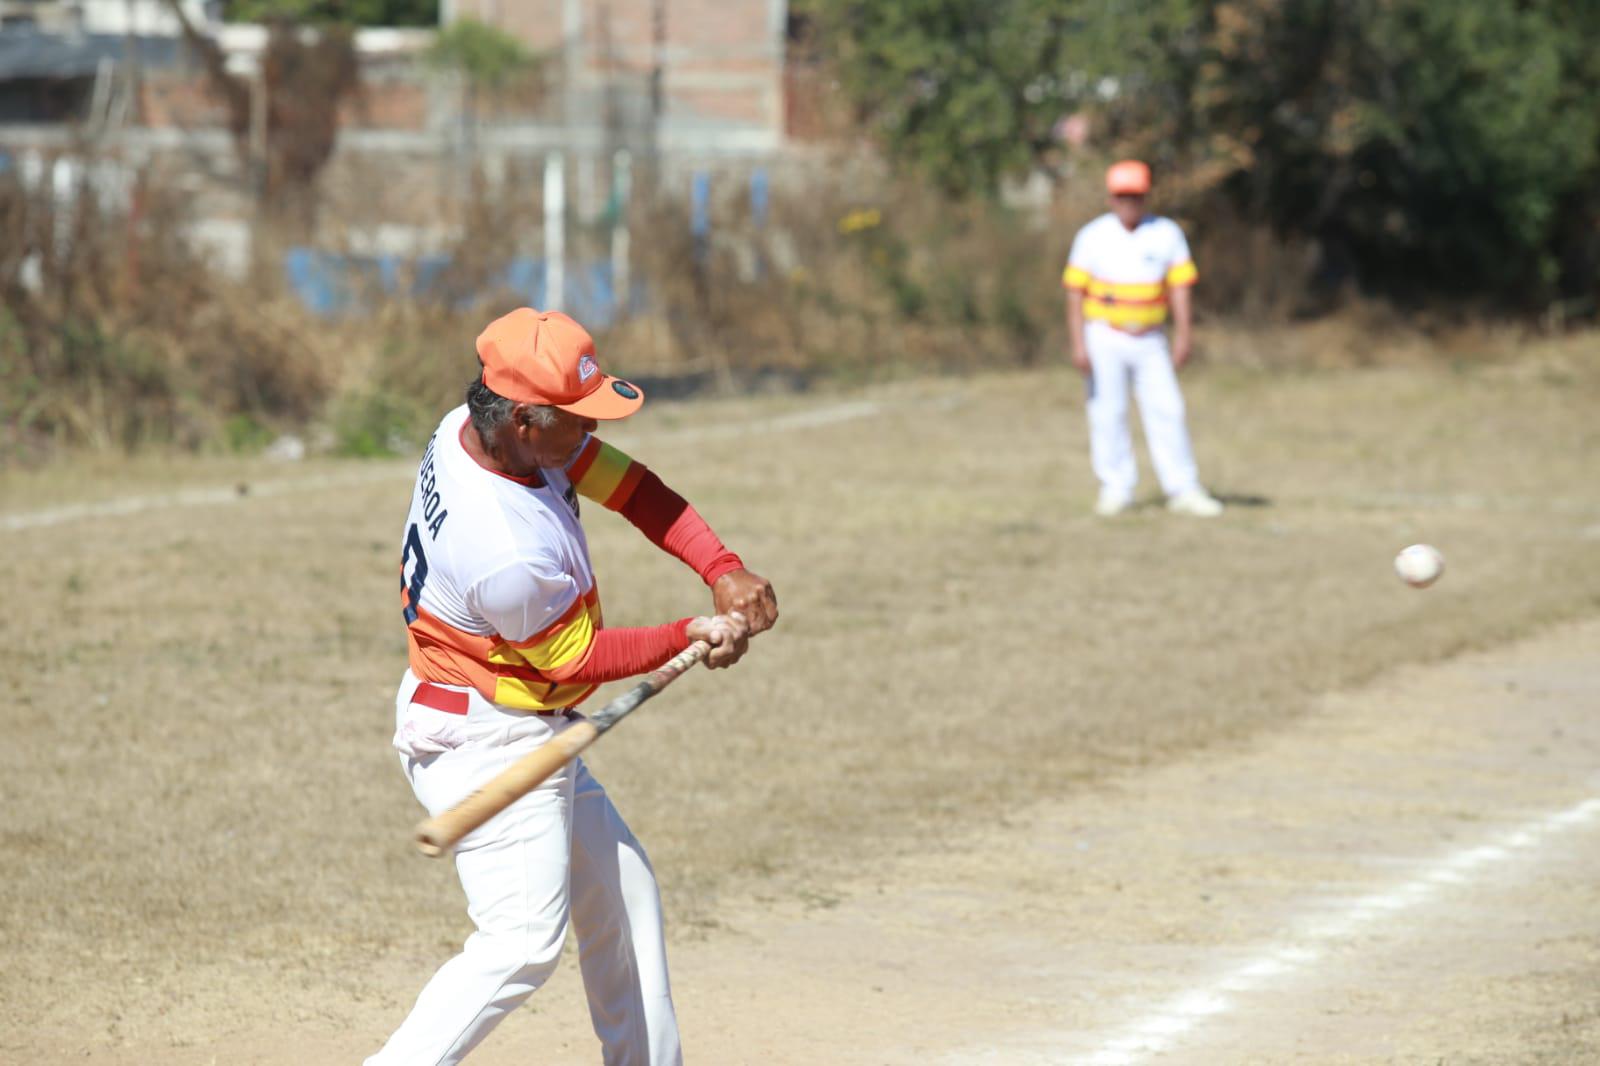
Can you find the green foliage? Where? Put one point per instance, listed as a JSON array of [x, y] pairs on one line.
[[375, 425], [244, 432], [969, 91], [963, 90], [81, 379], [18, 384], [486, 56], [347, 12], [1425, 147]]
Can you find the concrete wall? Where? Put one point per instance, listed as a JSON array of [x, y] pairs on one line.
[[719, 62]]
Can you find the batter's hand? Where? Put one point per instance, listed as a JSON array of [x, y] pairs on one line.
[[1080, 359], [728, 635], [750, 595]]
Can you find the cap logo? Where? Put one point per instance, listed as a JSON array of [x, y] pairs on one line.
[[587, 368], [626, 391]]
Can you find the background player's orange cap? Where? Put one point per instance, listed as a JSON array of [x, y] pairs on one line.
[[1128, 178], [545, 357]]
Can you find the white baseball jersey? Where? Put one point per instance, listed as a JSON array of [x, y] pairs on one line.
[[1125, 275], [496, 585]]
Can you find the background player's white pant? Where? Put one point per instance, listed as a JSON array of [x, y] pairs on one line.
[[560, 852], [1115, 359]]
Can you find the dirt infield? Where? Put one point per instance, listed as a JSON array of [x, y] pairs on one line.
[[1254, 905], [869, 835], [1285, 901]]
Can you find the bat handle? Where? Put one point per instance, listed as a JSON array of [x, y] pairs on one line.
[[437, 835]]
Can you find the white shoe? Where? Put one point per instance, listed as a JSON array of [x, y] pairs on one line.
[[1197, 502], [1112, 503]]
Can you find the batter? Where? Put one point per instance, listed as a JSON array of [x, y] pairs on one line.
[[505, 636]]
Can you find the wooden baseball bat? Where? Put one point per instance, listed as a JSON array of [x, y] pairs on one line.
[[435, 836]]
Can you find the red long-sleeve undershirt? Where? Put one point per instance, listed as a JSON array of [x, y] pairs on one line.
[[668, 522], [618, 653]]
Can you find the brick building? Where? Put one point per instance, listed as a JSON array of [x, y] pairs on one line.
[[703, 74], [700, 77], [676, 88]]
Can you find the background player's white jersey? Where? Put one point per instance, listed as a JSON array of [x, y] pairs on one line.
[[1125, 274]]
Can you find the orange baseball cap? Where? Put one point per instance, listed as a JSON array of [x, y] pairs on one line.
[[544, 357], [1128, 178]]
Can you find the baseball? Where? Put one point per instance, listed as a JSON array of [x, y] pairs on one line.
[[1419, 565]]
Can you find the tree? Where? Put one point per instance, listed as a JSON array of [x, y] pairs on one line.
[[484, 57], [338, 12], [1423, 146], [970, 91], [286, 122], [1438, 147], [948, 86], [487, 57]]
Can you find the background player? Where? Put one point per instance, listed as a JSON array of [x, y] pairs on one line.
[[1125, 269]]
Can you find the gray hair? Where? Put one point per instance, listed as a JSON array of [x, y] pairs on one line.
[[492, 412]]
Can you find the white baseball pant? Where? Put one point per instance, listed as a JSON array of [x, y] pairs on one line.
[[560, 853], [1115, 359]]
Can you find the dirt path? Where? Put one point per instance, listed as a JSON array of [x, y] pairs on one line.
[[1410, 875], [1256, 905]]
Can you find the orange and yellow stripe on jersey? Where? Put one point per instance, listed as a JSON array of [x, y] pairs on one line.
[[604, 474], [524, 674], [1128, 305]]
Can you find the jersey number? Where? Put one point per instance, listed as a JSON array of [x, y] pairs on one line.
[[419, 572]]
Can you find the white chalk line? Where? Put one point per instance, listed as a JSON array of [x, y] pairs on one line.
[[129, 505], [812, 419], [1159, 1030]]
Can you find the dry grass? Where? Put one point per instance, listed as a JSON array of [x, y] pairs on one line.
[[202, 808], [126, 336]]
